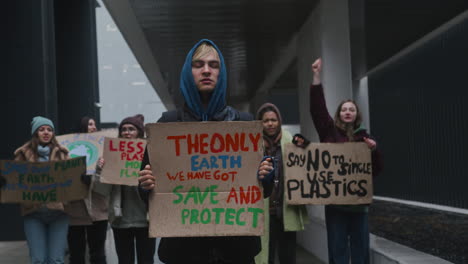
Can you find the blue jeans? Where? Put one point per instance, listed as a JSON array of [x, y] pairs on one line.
[[348, 235], [46, 233]]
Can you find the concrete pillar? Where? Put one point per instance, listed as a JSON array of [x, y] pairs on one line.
[[325, 34], [361, 97]]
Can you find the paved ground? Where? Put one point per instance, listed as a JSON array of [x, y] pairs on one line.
[[439, 233], [304, 257], [17, 253], [13, 252]]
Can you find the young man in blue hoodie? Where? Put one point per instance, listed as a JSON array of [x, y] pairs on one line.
[[203, 83]]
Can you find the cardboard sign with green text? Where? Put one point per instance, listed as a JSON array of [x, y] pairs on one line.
[[122, 159], [89, 145], [42, 182], [206, 179], [328, 173]]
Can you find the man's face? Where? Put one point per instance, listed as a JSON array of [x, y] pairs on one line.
[[205, 72]]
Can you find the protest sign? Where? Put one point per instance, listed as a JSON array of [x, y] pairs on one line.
[[42, 182], [206, 179], [122, 160], [89, 145], [328, 173]]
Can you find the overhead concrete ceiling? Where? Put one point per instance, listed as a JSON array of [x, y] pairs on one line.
[[253, 34], [250, 34]]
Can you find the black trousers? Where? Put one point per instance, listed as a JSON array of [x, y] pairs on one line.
[[125, 241], [283, 242], [95, 235]]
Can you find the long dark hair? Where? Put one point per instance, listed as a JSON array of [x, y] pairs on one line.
[[84, 124], [348, 128], [34, 142]]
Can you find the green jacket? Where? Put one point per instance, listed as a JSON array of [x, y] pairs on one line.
[[294, 216]]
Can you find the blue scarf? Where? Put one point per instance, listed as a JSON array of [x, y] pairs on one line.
[[190, 91], [43, 153]]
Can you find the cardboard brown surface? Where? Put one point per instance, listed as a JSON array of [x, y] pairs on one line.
[[89, 145], [328, 173], [122, 160], [194, 186], [42, 182]]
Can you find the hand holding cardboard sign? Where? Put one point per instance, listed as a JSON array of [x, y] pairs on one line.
[[100, 163], [370, 143], [265, 168], [146, 179], [300, 141]]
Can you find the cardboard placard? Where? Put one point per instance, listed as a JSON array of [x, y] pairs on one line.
[[42, 182], [89, 145], [328, 173], [206, 179], [122, 160]]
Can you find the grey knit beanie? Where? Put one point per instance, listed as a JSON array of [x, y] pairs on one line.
[[39, 121]]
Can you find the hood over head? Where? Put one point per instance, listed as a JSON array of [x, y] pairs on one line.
[[190, 91], [271, 142]]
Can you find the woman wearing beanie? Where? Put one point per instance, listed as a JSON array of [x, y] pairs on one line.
[[283, 220], [88, 218], [45, 225], [127, 212]]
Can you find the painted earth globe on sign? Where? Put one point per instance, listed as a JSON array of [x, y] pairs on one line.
[[83, 148]]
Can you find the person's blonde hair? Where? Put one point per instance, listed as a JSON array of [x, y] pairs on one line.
[[203, 50]]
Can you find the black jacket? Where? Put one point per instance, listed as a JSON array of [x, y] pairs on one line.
[[228, 249]]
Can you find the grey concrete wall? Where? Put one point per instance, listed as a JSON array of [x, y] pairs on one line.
[[361, 97], [313, 238], [325, 35]]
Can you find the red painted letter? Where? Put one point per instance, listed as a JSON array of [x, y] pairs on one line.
[[177, 143]]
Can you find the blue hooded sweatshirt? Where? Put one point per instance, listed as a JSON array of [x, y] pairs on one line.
[[190, 91]]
